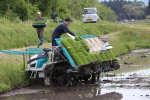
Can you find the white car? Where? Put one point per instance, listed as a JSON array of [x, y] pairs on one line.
[[90, 15]]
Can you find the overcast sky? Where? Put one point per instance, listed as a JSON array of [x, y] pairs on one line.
[[145, 1]]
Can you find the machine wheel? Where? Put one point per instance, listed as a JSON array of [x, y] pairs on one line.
[[93, 78], [116, 65], [75, 82], [60, 77], [106, 67], [84, 79]]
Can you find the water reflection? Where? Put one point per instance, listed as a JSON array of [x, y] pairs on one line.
[[68, 93]]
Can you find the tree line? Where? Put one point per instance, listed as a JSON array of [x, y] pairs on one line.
[[26, 9], [128, 9]]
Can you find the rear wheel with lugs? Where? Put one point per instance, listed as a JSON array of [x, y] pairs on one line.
[[60, 77]]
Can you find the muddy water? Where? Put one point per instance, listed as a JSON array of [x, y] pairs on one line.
[[72, 93], [79, 93], [141, 50], [125, 86], [118, 87]]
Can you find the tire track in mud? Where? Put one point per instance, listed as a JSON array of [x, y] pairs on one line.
[[140, 79]]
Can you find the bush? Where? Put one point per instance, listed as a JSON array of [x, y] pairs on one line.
[[128, 47], [11, 16], [25, 10]]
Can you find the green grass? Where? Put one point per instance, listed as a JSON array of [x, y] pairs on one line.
[[15, 35], [123, 38], [142, 22], [12, 72]]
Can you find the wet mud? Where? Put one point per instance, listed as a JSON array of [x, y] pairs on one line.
[[134, 79], [133, 85], [125, 86], [68, 93]]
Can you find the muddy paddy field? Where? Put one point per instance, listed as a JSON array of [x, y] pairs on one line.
[[130, 82]]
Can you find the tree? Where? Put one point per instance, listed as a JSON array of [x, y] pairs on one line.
[[139, 3], [148, 9], [127, 9], [136, 11], [26, 9], [21, 8]]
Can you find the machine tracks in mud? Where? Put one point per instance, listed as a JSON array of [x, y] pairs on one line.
[[58, 75]]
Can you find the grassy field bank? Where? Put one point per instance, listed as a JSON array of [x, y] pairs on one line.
[[123, 37]]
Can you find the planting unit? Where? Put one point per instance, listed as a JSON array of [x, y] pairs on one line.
[[72, 61], [82, 59]]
